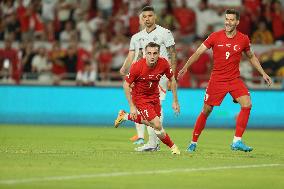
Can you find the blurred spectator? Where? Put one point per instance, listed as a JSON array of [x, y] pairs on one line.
[[119, 50], [9, 61], [7, 7], [30, 21], [68, 33], [87, 76], [49, 34], [186, 20], [48, 10], [278, 21], [85, 30], [65, 10], [245, 25], [41, 67], [70, 61], [104, 58], [12, 27], [56, 55], [106, 7], [27, 54], [96, 22], [203, 19], [262, 35], [166, 19]]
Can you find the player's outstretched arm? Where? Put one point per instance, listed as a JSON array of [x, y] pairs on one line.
[[176, 106], [201, 49], [255, 62], [127, 62], [133, 110]]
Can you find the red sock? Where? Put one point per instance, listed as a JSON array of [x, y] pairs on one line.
[[199, 126], [242, 121], [167, 140], [137, 120]]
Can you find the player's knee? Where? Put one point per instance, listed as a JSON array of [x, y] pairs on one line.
[[246, 104], [207, 110]]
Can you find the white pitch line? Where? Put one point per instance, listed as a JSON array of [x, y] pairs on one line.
[[117, 174]]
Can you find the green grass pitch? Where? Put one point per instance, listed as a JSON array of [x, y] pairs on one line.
[[103, 157]]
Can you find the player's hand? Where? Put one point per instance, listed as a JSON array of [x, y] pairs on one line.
[[176, 108], [267, 79], [133, 112], [122, 71], [181, 73]]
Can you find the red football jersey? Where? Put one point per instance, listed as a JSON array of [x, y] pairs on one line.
[[146, 79], [227, 53]]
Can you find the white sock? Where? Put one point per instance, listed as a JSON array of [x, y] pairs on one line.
[[237, 138], [140, 128], [126, 116], [193, 142], [152, 136]]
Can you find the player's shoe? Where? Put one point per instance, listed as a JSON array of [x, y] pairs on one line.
[[175, 150], [239, 145], [139, 141], [134, 138], [148, 148], [191, 147], [120, 118]]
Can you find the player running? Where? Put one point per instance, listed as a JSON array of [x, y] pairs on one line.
[[145, 74]]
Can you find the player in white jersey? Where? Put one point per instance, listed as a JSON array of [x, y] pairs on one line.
[[163, 37]]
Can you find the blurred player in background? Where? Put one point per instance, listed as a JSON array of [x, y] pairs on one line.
[[143, 82], [163, 37], [227, 46]]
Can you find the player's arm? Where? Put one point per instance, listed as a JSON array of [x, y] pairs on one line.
[[127, 62], [175, 105], [201, 49], [255, 62], [172, 57], [127, 89]]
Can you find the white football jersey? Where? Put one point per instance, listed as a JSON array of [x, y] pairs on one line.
[[161, 36]]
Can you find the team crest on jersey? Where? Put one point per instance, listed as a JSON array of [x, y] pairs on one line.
[[236, 47]]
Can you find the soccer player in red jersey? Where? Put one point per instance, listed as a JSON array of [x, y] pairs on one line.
[[227, 46], [144, 76]]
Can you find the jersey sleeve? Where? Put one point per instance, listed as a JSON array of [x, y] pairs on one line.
[[133, 73], [132, 44], [247, 44], [209, 42], [169, 39]]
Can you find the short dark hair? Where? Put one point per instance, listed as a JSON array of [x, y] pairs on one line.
[[148, 8], [153, 44], [233, 11]]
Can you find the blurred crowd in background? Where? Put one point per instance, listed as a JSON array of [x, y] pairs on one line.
[[85, 42]]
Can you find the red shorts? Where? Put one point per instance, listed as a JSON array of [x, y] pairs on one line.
[[149, 110], [216, 91]]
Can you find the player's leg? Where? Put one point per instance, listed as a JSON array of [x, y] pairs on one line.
[[162, 135], [215, 94], [123, 116], [241, 94], [140, 128], [153, 142]]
